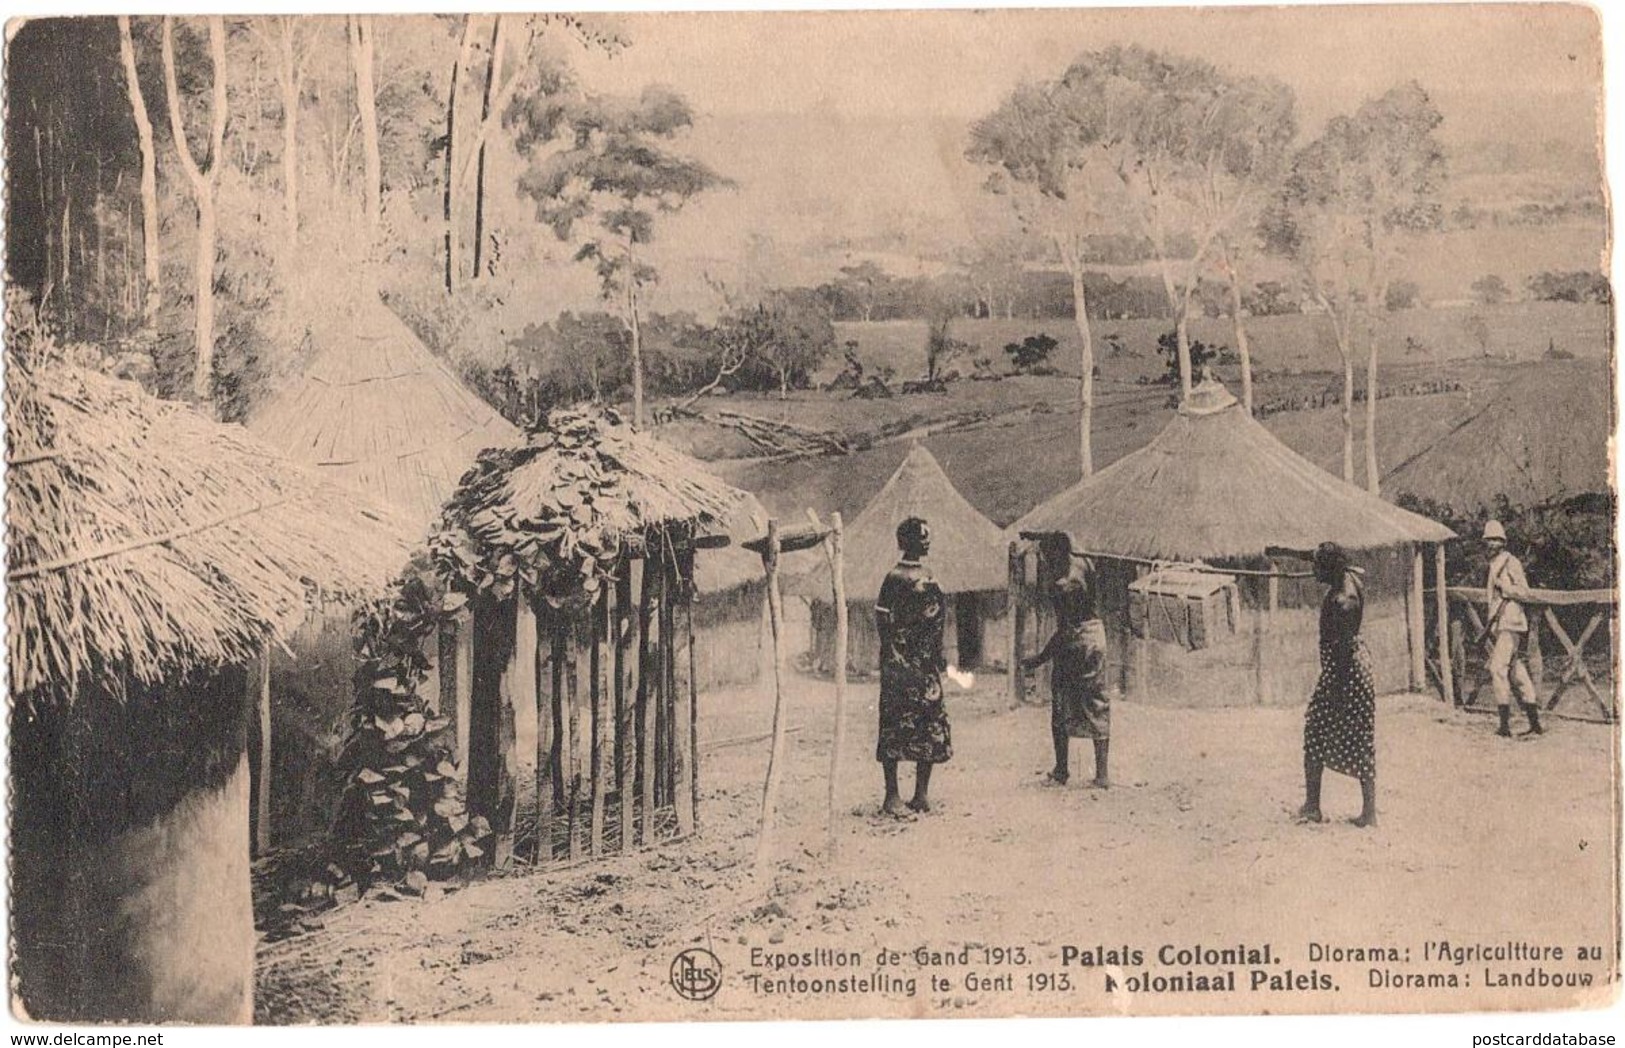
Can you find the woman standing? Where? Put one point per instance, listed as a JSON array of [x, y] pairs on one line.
[[909, 617], [1079, 706], [1339, 730]]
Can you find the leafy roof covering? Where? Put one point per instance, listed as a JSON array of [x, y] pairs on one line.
[[146, 540], [552, 513]]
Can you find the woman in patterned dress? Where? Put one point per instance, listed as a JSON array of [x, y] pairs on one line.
[[909, 617], [1339, 730], [1079, 706]]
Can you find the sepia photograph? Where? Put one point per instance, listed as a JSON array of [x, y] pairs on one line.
[[624, 517]]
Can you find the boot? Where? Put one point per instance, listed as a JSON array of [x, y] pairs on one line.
[[1532, 711], [1505, 730]]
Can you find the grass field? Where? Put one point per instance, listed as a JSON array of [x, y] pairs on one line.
[[1298, 342]]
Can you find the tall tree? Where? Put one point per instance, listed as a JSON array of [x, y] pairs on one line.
[[618, 174], [366, 100], [1050, 168], [1351, 197], [150, 250], [290, 70], [202, 180], [465, 52], [493, 74]]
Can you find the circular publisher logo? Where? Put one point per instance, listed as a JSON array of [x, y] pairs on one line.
[[696, 974]]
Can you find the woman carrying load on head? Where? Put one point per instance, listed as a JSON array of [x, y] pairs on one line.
[[1339, 730], [909, 616], [1079, 707]]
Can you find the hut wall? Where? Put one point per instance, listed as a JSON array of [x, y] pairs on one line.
[[730, 636], [863, 642], [1272, 659], [131, 896]]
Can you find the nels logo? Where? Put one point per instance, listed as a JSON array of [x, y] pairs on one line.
[[696, 974]]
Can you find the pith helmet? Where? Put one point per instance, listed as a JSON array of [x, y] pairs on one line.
[[1494, 530]]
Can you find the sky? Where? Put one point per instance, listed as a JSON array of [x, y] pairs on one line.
[[838, 126]]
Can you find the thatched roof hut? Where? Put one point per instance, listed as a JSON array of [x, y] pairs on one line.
[[147, 539], [153, 552], [968, 559], [967, 550], [377, 412], [1216, 484], [1216, 487]]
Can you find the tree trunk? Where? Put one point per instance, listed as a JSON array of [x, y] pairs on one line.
[[288, 77], [637, 337], [151, 295], [1348, 410], [367, 105], [202, 189], [449, 210], [493, 73], [1086, 362], [1182, 336], [1243, 347], [1372, 480]]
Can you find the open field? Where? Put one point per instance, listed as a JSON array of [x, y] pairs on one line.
[[1522, 330], [1195, 844]]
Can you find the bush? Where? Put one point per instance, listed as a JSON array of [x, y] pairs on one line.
[[1570, 286], [1202, 355], [1564, 544], [1403, 294], [1490, 290], [1269, 298], [1031, 352]]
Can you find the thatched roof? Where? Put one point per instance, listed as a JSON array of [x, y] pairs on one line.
[[565, 496], [379, 413], [968, 551], [1216, 484], [147, 540]]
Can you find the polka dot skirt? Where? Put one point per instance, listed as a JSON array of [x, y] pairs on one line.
[[1339, 729]]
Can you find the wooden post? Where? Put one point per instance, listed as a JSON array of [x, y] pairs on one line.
[[1018, 625], [572, 763], [491, 765], [837, 573], [775, 758], [1268, 648], [648, 696], [682, 690], [1416, 624], [600, 689], [1535, 656], [1458, 664], [693, 720], [462, 664], [547, 707], [260, 685], [626, 694], [1447, 674]]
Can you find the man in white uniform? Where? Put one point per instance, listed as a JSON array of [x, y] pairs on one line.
[[1508, 626]]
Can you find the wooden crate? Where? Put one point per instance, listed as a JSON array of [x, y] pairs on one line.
[[1194, 609]]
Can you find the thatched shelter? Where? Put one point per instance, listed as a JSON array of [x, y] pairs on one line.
[[594, 528], [1216, 489], [153, 556], [967, 558], [375, 412]]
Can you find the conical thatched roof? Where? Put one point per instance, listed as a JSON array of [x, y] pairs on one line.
[[1216, 484], [565, 496], [146, 539], [968, 551], [377, 412]]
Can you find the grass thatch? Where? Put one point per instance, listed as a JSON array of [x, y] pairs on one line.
[[377, 412], [147, 540], [968, 551], [566, 496], [1216, 484], [732, 566]]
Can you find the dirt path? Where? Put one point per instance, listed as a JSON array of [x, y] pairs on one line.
[[1482, 840]]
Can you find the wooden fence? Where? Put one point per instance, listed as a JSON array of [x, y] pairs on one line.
[[1556, 673]]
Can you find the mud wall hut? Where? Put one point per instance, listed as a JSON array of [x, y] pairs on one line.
[[968, 559], [1216, 491], [374, 412], [154, 555]]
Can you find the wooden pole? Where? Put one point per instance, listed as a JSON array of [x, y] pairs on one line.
[[1417, 626], [1018, 625], [572, 763], [600, 690], [547, 712], [1447, 676], [682, 726], [693, 785], [648, 695], [1536, 657], [261, 678], [775, 758], [834, 548], [462, 665], [626, 695]]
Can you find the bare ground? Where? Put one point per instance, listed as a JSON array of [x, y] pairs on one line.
[[1482, 840]]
